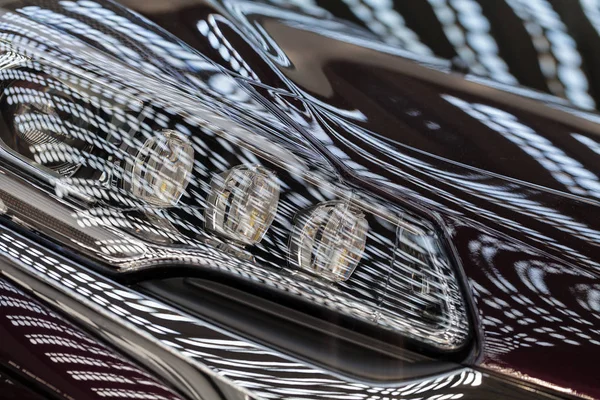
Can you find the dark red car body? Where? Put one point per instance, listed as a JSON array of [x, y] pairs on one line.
[[511, 175]]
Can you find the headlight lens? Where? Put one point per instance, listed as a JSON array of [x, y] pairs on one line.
[[329, 240], [38, 128], [135, 183], [242, 203], [161, 169]]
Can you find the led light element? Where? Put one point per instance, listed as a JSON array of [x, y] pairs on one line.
[[242, 203], [329, 240], [162, 168]]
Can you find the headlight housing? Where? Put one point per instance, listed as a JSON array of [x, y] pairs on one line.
[[137, 176]]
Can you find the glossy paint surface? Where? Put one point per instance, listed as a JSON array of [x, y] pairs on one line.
[[61, 360], [516, 184], [512, 181], [237, 366], [12, 390]]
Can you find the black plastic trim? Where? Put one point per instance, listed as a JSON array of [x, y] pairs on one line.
[[316, 340]]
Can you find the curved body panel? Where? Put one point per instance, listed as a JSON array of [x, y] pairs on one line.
[[511, 176], [513, 173]]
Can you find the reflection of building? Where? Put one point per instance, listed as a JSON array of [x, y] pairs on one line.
[[558, 57], [262, 371], [566, 170], [61, 354], [500, 39], [468, 30], [381, 17], [523, 310]]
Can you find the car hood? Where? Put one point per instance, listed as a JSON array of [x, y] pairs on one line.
[[511, 175]]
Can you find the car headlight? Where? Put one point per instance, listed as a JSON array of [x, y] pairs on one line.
[[329, 240], [242, 203], [135, 176], [161, 169]]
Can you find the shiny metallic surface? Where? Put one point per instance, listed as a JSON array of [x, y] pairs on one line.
[[14, 390], [515, 180], [120, 225], [61, 359], [226, 358], [57, 217], [508, 177]]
